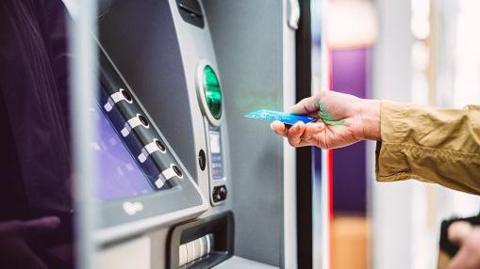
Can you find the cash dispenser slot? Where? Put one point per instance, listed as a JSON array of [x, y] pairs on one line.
[[203, 243]]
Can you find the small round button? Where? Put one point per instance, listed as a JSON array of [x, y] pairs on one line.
[[202, 159], [143, 120], [223, 192], [127, 95], [177, 170], [160, 145]]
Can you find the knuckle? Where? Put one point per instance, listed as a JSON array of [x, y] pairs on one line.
[[292, 132], [292, 142], [304, 100]]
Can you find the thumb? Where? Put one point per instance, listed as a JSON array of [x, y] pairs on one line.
[[305, 106], [459, 231]]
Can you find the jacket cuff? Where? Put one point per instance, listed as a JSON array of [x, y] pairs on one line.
[[391, 162]]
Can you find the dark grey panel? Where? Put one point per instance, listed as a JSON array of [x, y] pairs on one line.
[[140, 38], [247, 37]]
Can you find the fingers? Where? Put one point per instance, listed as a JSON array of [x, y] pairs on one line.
[[468, 257], [30, 227], [461, 261], [295, 133], [312, 129], [300, 134], [306, 106], [279, 128], [38, 226], [459, 231]]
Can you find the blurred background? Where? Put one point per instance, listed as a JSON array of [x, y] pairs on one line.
[[421, 51]]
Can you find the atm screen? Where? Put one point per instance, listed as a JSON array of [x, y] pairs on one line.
[[119, 175]]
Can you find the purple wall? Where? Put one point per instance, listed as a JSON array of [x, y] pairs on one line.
[[349, 75]]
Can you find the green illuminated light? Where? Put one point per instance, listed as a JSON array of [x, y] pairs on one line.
[[213, 93]]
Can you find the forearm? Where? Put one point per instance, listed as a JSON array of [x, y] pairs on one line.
[[370, 115]]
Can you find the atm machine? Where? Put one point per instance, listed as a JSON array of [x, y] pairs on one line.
[[183, 179], [219, 201]]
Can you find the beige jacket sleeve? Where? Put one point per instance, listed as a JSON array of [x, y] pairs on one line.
[[431, 145]]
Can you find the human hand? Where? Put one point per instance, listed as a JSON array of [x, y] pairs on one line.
[[14, 234], [467, 237], [343, 120]]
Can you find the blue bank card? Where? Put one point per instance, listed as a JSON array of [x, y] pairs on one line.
[[286, 118]]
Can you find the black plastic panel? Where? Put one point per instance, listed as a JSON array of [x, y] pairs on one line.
[[303, 76]]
